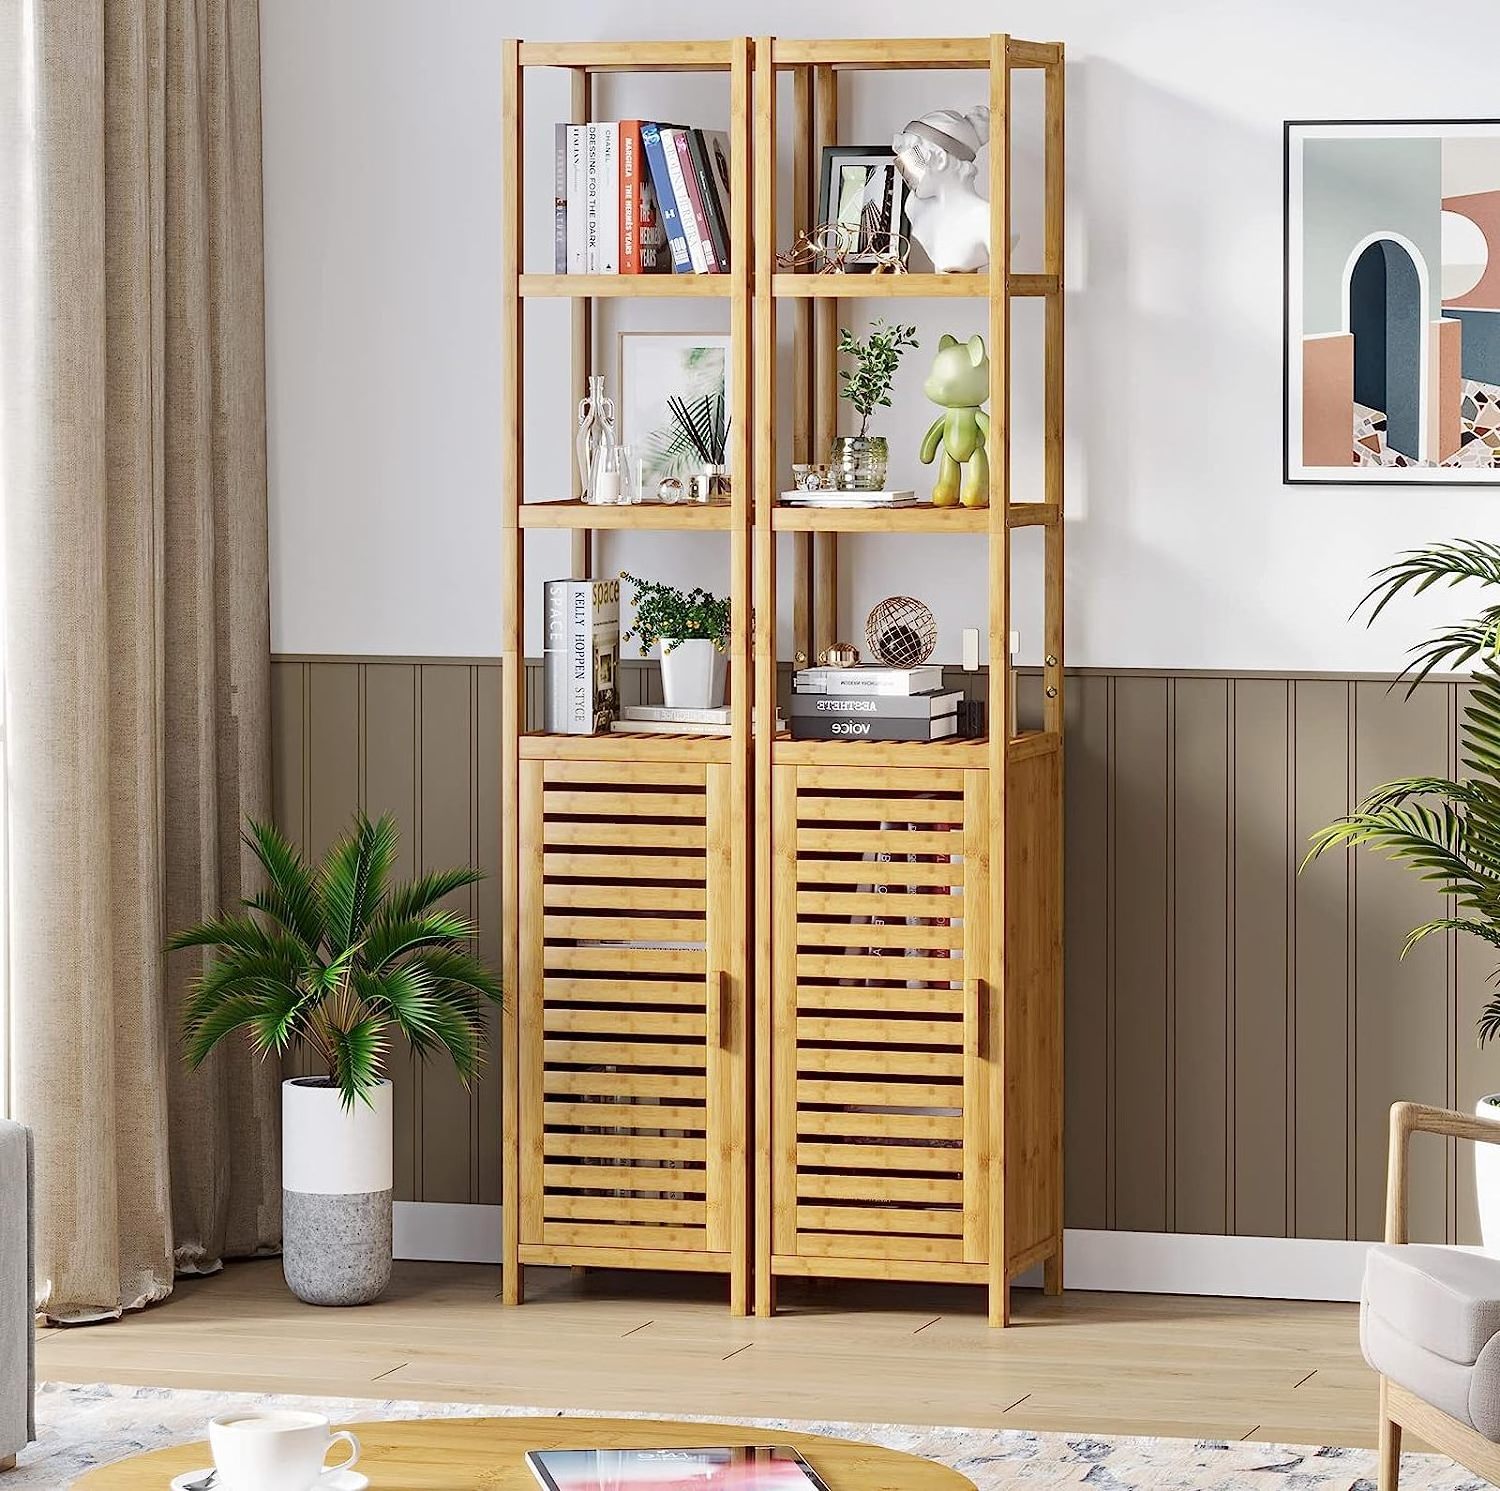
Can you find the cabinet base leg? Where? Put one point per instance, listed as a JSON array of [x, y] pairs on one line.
[[1052, 1272]]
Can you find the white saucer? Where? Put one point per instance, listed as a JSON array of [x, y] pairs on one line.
[[330, 1480]]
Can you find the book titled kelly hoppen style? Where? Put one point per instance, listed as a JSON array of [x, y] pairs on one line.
[[640, 197]]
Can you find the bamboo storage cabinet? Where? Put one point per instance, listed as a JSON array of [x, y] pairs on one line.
[[779, 1103], [625, 1069]]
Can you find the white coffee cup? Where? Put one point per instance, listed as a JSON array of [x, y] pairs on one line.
[[275, 1449]]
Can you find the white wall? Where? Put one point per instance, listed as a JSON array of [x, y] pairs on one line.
[[383, 181]]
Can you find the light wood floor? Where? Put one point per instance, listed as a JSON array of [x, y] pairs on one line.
[[1109, 1363]]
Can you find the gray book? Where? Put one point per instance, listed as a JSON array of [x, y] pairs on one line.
[[560, 201]]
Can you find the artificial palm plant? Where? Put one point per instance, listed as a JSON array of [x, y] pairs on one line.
[[1447, 831], [331, 956]]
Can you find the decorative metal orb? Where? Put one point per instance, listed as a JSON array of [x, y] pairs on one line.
[[839, 655], [901, 632]]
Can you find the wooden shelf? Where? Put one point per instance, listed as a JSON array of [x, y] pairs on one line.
[[924, 518], [630, 56], [905, 286], [543, 745], [626, 286], [702, 517], [971, 754], [873, 55]]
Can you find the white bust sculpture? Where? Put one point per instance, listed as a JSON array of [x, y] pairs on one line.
[[937, 157]]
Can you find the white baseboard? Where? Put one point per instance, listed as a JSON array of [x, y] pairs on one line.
[[441, 1232], [1113, 1262]]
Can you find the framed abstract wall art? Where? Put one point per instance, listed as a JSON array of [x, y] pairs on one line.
[[1393, 302]]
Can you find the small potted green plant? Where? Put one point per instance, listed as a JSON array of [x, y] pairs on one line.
[[692, 627], [329, 959], [860, 461]]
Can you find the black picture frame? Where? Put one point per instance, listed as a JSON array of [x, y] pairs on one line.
[[1289, 127], [838, 158]]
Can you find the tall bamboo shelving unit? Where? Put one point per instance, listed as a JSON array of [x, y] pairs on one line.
[[625, 1071], [908, 1118], [901, 1130]]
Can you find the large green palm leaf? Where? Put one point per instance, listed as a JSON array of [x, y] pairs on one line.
[[330, 957], [1447, 831]]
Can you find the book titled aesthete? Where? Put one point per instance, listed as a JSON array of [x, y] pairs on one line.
[[581, 650]]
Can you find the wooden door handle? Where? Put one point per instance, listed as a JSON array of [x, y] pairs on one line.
[[723, 1024], [981, 1017]]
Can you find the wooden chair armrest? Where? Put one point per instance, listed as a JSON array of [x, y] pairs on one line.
[[1419, 1118]]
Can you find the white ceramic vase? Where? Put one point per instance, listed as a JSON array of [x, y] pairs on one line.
[[336, 1180], [692, 674], [1487, 1177]]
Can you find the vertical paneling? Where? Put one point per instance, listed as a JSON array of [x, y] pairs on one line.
[[1200, 816], [1086, 1069], [1140, 907], [390, 786], [446, 1139], [486, 857], [1234, 1032], [1402, 1038], [1263, 860], [1322, 990]]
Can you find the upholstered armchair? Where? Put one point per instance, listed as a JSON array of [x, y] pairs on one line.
[[1429, 1322], [17, 1299]]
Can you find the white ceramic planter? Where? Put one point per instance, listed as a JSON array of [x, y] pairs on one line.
[[336, 1181], [1487, 1177], [692, 674]]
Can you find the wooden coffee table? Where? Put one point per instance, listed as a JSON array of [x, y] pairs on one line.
[[464, 1454]]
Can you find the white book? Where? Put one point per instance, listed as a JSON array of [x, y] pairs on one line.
[[692, 230], [591, 198], [669, 727], [849, 499], [578, 261], [868, 680], [719, 716], [609, 198], [581, 645]]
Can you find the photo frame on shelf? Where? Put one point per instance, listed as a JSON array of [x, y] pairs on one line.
[[861, 191], [1392, 336], [654, 367]]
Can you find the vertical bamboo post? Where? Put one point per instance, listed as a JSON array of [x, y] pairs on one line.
[[804, 204], [734, 1147], [512, 650], [999, 656], [1053, 675], [825, 343], [581, 540], [765, 649]]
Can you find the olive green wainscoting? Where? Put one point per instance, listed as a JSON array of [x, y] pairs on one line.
[[1235, 1032]]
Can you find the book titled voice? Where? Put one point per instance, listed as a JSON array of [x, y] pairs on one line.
[[580, 655]]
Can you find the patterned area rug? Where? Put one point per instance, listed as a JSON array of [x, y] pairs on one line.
[[81, 1427]]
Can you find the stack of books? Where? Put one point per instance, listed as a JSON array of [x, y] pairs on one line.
[[875, 703], [822, 498], [640, 197]]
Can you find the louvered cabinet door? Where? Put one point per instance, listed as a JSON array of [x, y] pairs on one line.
[[630, 1088], [881, 1070]]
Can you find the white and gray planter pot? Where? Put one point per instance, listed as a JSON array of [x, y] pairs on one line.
[[693, 672], [336, 1180], [1487, 1177]]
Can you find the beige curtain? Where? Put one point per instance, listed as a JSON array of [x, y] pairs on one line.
[[132, 437]]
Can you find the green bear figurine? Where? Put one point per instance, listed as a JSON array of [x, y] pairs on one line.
[[960, 383]]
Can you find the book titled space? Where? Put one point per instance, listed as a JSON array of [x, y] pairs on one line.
[[868, 679], [580, 654]]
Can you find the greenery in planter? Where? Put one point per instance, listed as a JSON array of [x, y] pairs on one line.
[[331, 956], [868, 385], [663, 613], [1447, 831]]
